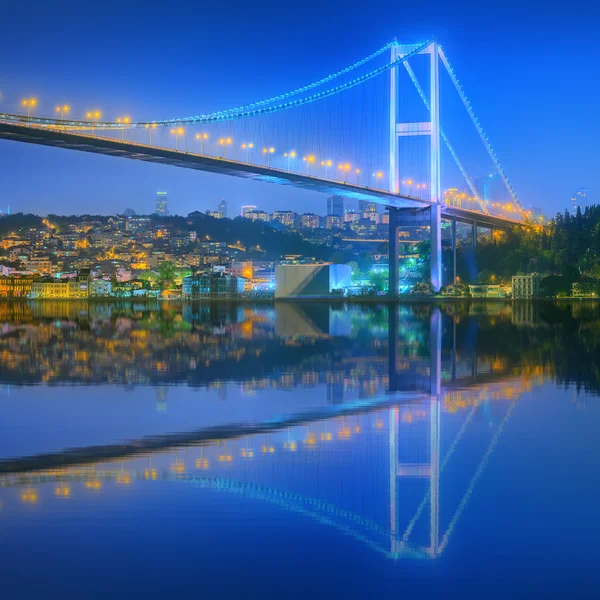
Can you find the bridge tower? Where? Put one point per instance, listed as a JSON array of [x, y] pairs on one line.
[[432, 129]]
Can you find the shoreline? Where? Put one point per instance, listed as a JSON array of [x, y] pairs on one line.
[[299, 299]]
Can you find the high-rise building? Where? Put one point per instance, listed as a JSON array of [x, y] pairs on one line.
[[310, 221], [161, 204], [223, 208], [579, 200], [246, 209], [335, 206], [366, 206]]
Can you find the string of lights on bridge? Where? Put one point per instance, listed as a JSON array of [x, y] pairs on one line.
[[217, 146]]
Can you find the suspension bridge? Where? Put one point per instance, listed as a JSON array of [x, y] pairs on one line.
[[369, 132]]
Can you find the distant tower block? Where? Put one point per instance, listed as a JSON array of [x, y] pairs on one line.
[[335, 206], [223, 208], [161, 204]]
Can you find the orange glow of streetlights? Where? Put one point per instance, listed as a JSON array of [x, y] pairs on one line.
[[224, 142], [29, 103], [247, 147], [267, 152], [177, 132], [345, 168], [63, 110], [202, 137], [150, 127]]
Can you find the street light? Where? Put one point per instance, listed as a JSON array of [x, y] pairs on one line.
[[62, 110], [201, 137], [247, 148], [177, 131], [224, 142], [93, 116], [125, 121], [357, 171], [150, 127], [267, 152], [310, 160], [29, 103], [291, 154], [345, 168]]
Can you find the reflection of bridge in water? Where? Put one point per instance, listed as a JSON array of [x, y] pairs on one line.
[[421, 426]]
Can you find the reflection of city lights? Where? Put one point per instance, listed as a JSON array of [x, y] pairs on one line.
[[202, 463], [150, 474], [93, 484], [63, 491], [29, 496]]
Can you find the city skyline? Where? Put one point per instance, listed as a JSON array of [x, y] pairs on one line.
[[65, 181]]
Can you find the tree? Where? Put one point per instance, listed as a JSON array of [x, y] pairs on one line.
[[167, 271], [422, 288], [378, 280]]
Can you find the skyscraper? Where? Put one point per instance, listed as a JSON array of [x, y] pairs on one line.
[[579, 200], [161, 204], [223, 208], [335, 206]]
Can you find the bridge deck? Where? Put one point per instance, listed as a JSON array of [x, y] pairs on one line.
[[211, 164], [200, 162]]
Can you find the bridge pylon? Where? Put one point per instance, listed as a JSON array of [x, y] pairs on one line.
[[432, 129]]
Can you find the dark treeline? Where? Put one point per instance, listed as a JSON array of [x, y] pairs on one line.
[[569, 247]]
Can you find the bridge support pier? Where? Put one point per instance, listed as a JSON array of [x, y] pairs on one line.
[[454, 251], [410, 217], [394, 281]]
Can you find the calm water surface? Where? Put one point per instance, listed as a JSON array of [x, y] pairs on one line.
[[299, 450]]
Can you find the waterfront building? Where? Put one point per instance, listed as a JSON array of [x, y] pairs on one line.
[[351, 216], [15, 287], [242, 269], [335, 206], [213, 286], [161, 204], [49, 287], [223, 208], [485, 291], [298, 280], [100, 288], [215, 214], [79, 286], [526, 286]]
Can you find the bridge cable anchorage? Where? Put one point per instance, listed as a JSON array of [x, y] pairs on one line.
[[482, 135], [215, 117], [459, 164]]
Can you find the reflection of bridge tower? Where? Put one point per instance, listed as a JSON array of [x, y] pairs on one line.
[[398, 469]]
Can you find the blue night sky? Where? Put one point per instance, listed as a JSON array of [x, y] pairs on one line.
[[531, 74]]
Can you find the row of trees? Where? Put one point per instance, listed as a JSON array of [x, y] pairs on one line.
[[568, 247]]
